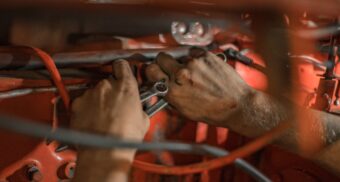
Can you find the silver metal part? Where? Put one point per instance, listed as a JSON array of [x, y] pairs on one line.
[[158, 89], [156, 107], [25, 91], [222, 56], [193, 34]]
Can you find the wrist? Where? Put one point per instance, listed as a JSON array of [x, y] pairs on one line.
[[101, 155], [232, 108], [103, 165], [257, 114], [239, 118]]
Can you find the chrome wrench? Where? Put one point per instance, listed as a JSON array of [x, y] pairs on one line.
[[159, 89]]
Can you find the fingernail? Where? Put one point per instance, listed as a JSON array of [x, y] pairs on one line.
[[197, 52], [163, 55]]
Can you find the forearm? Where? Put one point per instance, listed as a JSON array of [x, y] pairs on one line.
[[103, 165], [260, 113]]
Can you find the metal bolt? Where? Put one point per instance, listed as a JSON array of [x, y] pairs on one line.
[[337, 101], [161, 87], [197, 29], [33, 173], [61, 148], [66, 171], [69, 170], [181, 27]]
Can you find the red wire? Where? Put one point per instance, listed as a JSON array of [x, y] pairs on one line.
[[53, 70], [241, 152], [246, 150]]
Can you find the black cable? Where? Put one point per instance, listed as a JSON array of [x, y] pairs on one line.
[[63, 135]]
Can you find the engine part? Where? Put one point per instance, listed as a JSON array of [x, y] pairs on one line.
[[194, 34], [273, 165], [25, 91], [92, 140], [9, 57]]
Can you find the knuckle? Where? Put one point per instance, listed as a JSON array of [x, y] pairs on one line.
[[128, 86], [152, 68], [106, 83], [173, 93], [194, 63], [103, 84], [102, 88], [197, 64], [120, 62], [183, 74], [76, 104]]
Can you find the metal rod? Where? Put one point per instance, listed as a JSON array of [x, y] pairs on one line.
[[23, 58], [25, 91]]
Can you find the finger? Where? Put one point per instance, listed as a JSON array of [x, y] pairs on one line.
[[183, 76], [147, 121], [217, 63], [103, 85], [213, 58], [122, 70], [76, 104], [154, 73], [168, 64], [196, 52], [102, 91]]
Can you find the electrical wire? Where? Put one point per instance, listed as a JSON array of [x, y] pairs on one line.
[[318, 32], [246, 150], [311, 60], [51, 67], [68, 136]]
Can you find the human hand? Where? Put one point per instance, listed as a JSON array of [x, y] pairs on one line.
[[203, 89], [113, 107]]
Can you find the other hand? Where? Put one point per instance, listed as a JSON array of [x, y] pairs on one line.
[[203, 89]]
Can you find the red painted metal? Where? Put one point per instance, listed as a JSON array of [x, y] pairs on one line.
[[22, 152]]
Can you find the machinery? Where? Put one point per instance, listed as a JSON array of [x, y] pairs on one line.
[[52, 51]]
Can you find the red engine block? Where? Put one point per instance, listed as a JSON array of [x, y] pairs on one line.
[[25, 158]]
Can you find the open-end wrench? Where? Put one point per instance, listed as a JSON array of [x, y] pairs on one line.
[[159, 89]]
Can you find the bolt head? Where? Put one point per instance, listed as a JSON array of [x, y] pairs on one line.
[[33, 173], [180, 27], [337, 102], [197, 29]]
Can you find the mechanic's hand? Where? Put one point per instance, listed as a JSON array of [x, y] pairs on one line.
[[113, 107], [203, 89]]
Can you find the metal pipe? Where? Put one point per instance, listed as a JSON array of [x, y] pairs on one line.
[[25, 91], [24, 58]]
